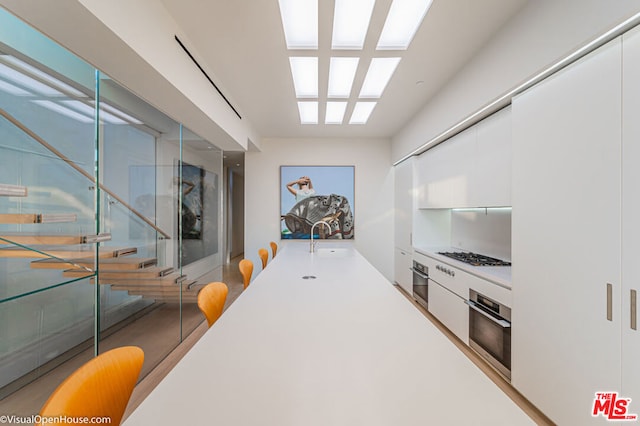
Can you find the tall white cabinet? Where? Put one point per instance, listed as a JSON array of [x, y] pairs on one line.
[[631, 217], [403, 222], [575, 234]]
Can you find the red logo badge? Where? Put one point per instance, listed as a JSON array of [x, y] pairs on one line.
[[611, 407]]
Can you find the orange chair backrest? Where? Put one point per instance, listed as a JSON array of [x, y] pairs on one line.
[[264, 256], [211, 300], [274, 249], [100, 388], [246, 269]]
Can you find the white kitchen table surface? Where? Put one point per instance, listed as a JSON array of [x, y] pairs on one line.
[[345, 348]]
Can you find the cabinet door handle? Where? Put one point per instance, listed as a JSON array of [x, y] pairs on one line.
[[609, 302], [634, 307]]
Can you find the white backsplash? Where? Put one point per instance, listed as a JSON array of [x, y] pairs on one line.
[[484, 231]]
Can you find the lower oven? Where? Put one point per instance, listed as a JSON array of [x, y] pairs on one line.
[[490, 331], [421, 284]]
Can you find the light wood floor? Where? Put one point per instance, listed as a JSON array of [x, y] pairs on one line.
[[29, 399]]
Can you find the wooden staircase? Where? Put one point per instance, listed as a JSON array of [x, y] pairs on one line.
[[116, 266]]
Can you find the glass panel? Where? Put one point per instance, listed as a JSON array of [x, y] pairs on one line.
[[40, 331], [47, 152], [139, 291], [201, 254], [135, 177]]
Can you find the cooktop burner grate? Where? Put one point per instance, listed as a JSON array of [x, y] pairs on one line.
[[474, 258]]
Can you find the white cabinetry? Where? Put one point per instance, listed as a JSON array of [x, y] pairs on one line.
[[450, 310], [566, 237], [403, 218], [492, 177], [631, 217], [403, 275], [472, 169], [403, 203]]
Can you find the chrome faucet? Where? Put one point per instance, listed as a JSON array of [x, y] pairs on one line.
[[311, 248]]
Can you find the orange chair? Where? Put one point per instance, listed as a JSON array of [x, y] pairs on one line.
[[264, 256], [100, 388], [246, 269], [211, 300], [274, 249]]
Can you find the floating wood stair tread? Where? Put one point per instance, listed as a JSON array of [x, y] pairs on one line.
[[106, 264], [50, 251], [136, 274], [12, 190], [130, 282], [37, 240], [25, 218]]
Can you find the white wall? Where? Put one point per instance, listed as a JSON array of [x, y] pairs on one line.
[[373, 193], [542, 33]]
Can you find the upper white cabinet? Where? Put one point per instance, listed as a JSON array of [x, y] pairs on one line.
[[472, 169], [566, 237], [492, 180]]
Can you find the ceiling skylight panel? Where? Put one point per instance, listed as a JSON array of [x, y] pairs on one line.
[[64, 111], [300, 23], [305, 76], [403, 21], [10, 88], [361, 112], [335, 112], [341, 74], [350, 23], [308, 112], [27, 82], [41, 74], [378, 76]]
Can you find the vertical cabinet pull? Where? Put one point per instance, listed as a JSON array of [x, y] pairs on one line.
[[634, 318], [609, 302]]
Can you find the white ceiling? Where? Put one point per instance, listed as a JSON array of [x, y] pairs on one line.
[[240, 44]]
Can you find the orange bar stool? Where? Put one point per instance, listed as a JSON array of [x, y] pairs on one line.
[[274, 249], [264, 256], [211, 300], [246, 269], [100, 388]]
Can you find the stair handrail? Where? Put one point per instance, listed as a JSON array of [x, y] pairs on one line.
[[70, 162]]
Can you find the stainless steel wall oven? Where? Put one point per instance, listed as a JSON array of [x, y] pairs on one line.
[[421, 284], [490, 331]]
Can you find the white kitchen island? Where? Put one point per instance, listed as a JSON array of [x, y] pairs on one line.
[[345, 348]]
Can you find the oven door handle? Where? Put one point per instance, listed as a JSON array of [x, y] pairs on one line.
[[420, 274], [500, 321]]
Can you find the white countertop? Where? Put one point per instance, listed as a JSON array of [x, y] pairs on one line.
[[345, 348], [500, 275]]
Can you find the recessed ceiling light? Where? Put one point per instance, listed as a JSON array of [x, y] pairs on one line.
[[350, 23], [361, 112], [378, 75], [335, 112], [308, 112], [403, 20], [300, 23], [341, 74], [305, 76]]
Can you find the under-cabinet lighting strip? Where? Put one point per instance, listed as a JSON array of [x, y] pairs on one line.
[[505, 99]]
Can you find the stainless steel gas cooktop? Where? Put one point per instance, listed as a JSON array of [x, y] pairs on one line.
[[474, 259]]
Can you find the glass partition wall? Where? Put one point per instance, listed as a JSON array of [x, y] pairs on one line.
[[110, 215]]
